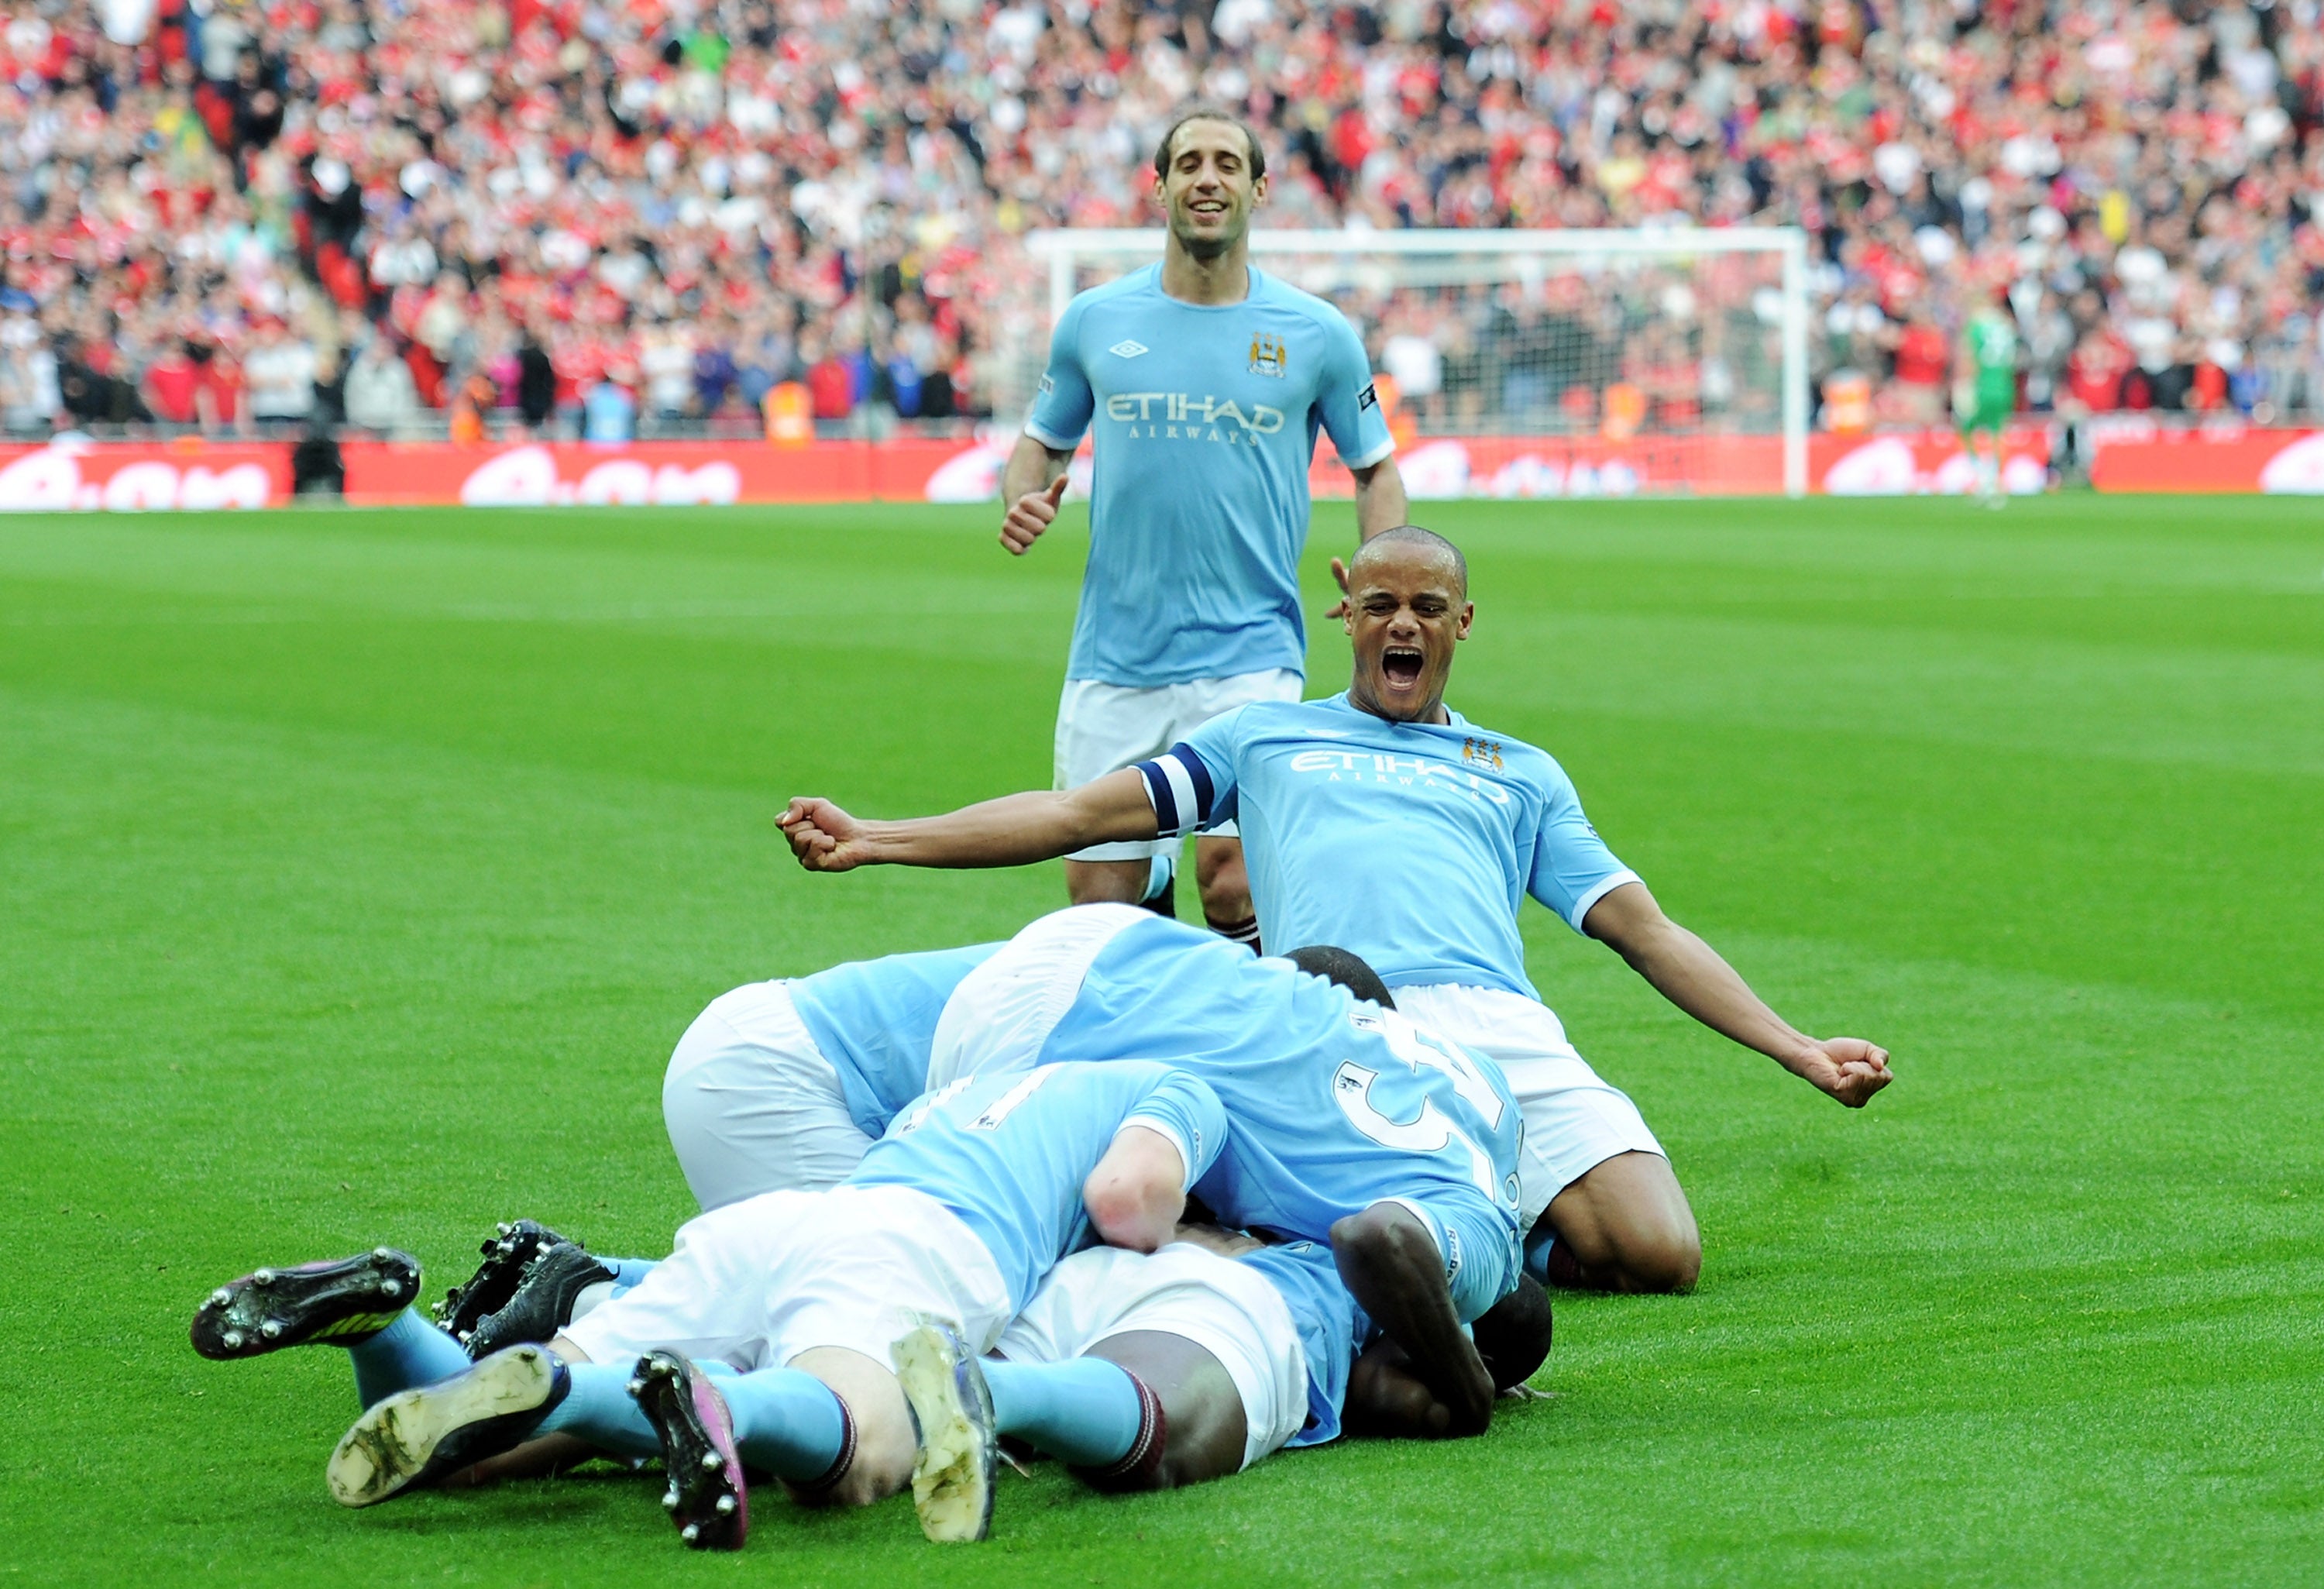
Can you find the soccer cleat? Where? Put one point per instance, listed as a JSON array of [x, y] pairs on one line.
[[705, 1498], [415, 1438], [542, 1302], [340, 1301], [506, 1254], [953, 1473]]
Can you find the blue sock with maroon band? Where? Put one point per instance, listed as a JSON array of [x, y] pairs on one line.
[[1085, 1412], [786, 1421]]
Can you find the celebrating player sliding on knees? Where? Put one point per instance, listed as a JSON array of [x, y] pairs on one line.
[[1385, 823]]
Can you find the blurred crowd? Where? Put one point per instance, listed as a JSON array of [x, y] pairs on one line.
[[620, 217]]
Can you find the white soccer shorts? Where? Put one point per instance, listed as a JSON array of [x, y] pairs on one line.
[[1002, 1012], [1574, 1120], [758, 1282], [1103, 728], [752, 1105], [1225, 1308]]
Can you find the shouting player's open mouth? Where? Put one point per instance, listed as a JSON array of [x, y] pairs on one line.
[[1401, 665]]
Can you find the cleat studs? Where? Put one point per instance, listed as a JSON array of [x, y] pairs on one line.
[[690, 1533], [712, 1462], [221, 1297], [635, 1386], [669, 1499], [391, 1288], [231, 1340], [506, 1228], [264, 1277], [382, 1252], [271, 1329], [726, 1505]]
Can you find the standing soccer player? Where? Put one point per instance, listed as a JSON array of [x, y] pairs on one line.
[[1207, 382], [1985, 390]]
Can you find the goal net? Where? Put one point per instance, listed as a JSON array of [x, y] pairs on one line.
[[1550, 363]]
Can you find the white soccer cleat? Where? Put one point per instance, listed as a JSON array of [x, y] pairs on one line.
[[959, 1454]]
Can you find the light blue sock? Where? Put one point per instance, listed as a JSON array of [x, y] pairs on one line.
[[410, 1351], [627, 1271], [785, 1422], [601, 1410], [1536, 1254], [1084, 1412]]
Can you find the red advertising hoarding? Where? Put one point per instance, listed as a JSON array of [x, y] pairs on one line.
[[143, 478], [2129, 454]]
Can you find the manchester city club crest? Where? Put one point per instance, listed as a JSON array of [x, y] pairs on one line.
[[1269, 355]]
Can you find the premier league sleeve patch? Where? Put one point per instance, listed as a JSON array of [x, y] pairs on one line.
[[1367, 398]]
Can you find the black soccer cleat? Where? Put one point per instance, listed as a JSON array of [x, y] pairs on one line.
[[705, 1498], [542, 1302], [416, 1437], [340, 1301], [506, 1254]]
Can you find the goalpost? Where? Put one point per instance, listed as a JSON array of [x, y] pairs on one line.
[[1535, 363]]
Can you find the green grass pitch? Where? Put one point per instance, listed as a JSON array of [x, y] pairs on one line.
[[357, 871]]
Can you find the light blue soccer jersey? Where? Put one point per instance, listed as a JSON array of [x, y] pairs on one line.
[[1336, 1105], [874, 1020], [1332, 1327], [1408, 844], [1008, 1153], [1206, 418]]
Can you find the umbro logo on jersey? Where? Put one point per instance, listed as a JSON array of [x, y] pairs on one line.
[[1127, 349]]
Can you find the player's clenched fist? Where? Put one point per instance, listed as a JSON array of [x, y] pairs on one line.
[[823, 837], [1848, 1068], [1031, 514]]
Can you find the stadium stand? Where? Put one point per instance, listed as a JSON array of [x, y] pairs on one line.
[[423, 217]]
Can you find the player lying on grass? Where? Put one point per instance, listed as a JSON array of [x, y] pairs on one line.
[[1385, 822], [783, 1086], [1351, 1125], [827, 1309], [1245, 1349]]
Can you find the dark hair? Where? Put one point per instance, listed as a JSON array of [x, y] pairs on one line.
[[1414, 535], [1344, 969], [1513, 1335], [1211, 113]]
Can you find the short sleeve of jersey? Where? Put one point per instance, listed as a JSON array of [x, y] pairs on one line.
[[1482, 1257], [1063, 406], [1183, 1108], [1191, 785], [1572, 869], [1349, 404]]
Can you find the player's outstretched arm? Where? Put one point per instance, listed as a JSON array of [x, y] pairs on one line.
[[1389, 1263], [1011, 831], [1692, 974], [1138, 1190], [1033, 482]]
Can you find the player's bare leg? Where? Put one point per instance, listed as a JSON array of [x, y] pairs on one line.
[[1225, 888], [1107, 882], [1201, 1408], [885, 1443], [1625, 1227]]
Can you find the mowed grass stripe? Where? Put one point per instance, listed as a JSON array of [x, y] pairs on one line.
[[372, 917]]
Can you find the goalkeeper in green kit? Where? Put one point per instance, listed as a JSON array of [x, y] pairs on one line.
[[1985, 392]]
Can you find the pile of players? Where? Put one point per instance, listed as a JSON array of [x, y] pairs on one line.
[[946, 1195]]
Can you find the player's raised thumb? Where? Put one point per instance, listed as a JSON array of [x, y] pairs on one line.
[[1056, 491]]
